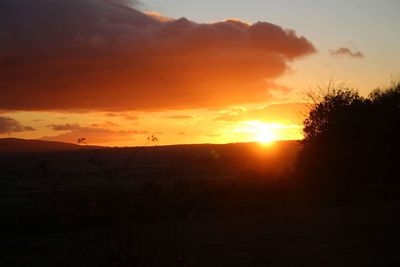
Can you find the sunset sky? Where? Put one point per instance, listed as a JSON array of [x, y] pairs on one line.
[[211, 71]]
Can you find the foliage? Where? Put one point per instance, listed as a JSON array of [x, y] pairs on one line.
[[350, 139], [331, 115]]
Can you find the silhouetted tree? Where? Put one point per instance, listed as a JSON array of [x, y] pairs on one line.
[[349, 139], [385, 114]]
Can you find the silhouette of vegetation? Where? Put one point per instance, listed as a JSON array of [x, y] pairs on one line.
[[350, 140], [111, 172]]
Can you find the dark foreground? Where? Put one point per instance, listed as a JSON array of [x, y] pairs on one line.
[[73, 216]]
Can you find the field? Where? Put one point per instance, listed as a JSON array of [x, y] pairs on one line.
[[197, 205]]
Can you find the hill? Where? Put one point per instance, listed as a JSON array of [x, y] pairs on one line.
[[167, 163], [16, 145]]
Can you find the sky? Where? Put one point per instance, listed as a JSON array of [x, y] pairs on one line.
[[221, 71]]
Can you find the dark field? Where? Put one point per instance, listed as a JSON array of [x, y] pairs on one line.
[[197, 205]]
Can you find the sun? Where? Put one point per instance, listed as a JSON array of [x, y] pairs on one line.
[[265, 136], [258, 131], [263, 133]]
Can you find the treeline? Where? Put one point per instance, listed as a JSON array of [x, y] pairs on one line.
[[350, 139]]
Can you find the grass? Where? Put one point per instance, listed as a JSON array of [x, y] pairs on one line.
[[249, 219]]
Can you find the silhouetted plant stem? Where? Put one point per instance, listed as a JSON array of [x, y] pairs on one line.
[[109, 173]]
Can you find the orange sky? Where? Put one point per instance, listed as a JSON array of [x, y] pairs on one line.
[[116, 75], [234, 124]]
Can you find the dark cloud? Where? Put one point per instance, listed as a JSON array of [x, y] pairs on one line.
[[123, 115], [10, 125], [75, 126], [131, 117], [110, 123], [97, 136], [344, 51], [105, 124], [64, 127], [130, 3], [111, 114], [106, 55]]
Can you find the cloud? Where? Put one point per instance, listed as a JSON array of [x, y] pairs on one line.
[[131, 117], [122, 2], [9, 125], [179, 117], [105, 124], [285, 113], [64, 127], [102, 55], [98, 136], [75, 126], [125, 116], [158, 16], [344, 51]]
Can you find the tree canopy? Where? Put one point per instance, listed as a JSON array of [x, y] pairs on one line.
[[351, 139]]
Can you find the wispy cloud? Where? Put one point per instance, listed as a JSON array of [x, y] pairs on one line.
[[10, 125], [292, 113], [95, 135], [64, 127], [344, 51], [179, 117]]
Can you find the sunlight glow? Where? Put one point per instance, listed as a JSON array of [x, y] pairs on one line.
[[265, 137], [258, 131]]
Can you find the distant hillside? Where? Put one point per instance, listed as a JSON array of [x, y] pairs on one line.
[[164, 163], [15, 145], [178, 160]]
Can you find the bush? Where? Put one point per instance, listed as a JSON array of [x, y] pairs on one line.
[[349, 139]]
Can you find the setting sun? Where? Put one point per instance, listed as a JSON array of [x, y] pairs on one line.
[[265, 137], [264, 134], [257, 131]]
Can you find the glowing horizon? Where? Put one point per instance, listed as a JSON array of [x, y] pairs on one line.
[[110, 129], [185, 71]]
